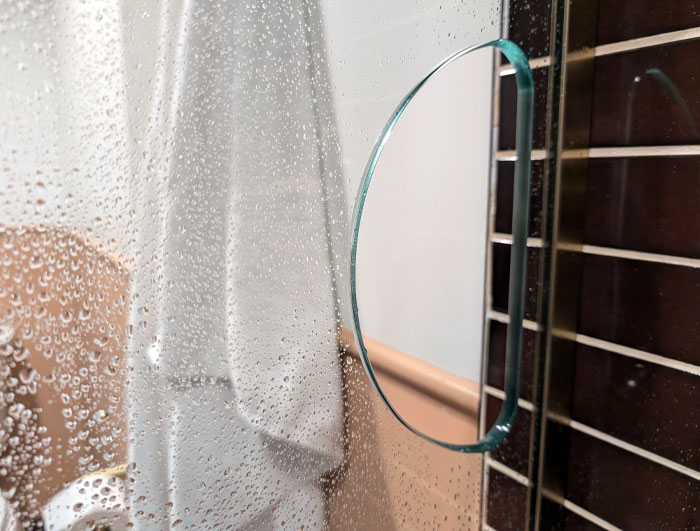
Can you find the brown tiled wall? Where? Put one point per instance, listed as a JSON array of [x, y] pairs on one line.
[[619, 213], [647, 97], [647, 307], [506, 502], [649, 406], [624, 489], [623, 427]]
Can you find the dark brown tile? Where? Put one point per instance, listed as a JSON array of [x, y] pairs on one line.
[[504, 198], [506, 503], [561, 371], [497, 358], [647, 97], [508, 101], [554, 517], [645, 204], [528, 26], [627, 490], [645, 305], [629, 19], [500, 277], [556, 457], [514, 451], [650, 406]]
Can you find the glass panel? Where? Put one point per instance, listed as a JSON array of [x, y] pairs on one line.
[[419, 249], [178, 180], [426, 211]]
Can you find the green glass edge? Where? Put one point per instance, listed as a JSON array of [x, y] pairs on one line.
[[518, 260]]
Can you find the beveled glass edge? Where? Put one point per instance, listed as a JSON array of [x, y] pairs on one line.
[[518, 262]]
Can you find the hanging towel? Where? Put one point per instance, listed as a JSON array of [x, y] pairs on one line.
[[236, 393]]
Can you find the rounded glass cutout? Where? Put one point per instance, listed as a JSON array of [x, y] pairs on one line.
[[420, 247]]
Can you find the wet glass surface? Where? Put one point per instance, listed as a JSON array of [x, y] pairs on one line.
[[177, 186]]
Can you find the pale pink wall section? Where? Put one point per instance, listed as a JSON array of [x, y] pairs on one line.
[[65, 301], [393, 479]]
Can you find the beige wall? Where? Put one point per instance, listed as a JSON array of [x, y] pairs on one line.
[[65, 305], [393, 479]]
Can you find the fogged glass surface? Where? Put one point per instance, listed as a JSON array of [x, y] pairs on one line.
[[177, 185]]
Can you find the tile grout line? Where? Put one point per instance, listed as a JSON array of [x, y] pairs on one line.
[[629, 352], [660, 39], [613, 252], [537, 62], [646, 42], [503, 237], [580, 511], [508, 155], [507, 471], [679, 150], [619, 443], [501, 395], [504, 318], [602, 344], [630, 254]]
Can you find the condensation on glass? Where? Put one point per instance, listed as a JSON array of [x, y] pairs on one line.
[[177, 185]]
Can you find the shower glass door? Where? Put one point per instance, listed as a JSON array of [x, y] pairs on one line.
[[178, 181]]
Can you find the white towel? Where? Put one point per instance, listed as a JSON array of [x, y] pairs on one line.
[[236, 388], [8, 518]]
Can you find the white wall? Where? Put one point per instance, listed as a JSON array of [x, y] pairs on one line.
[[421, 280], [63, 132]]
